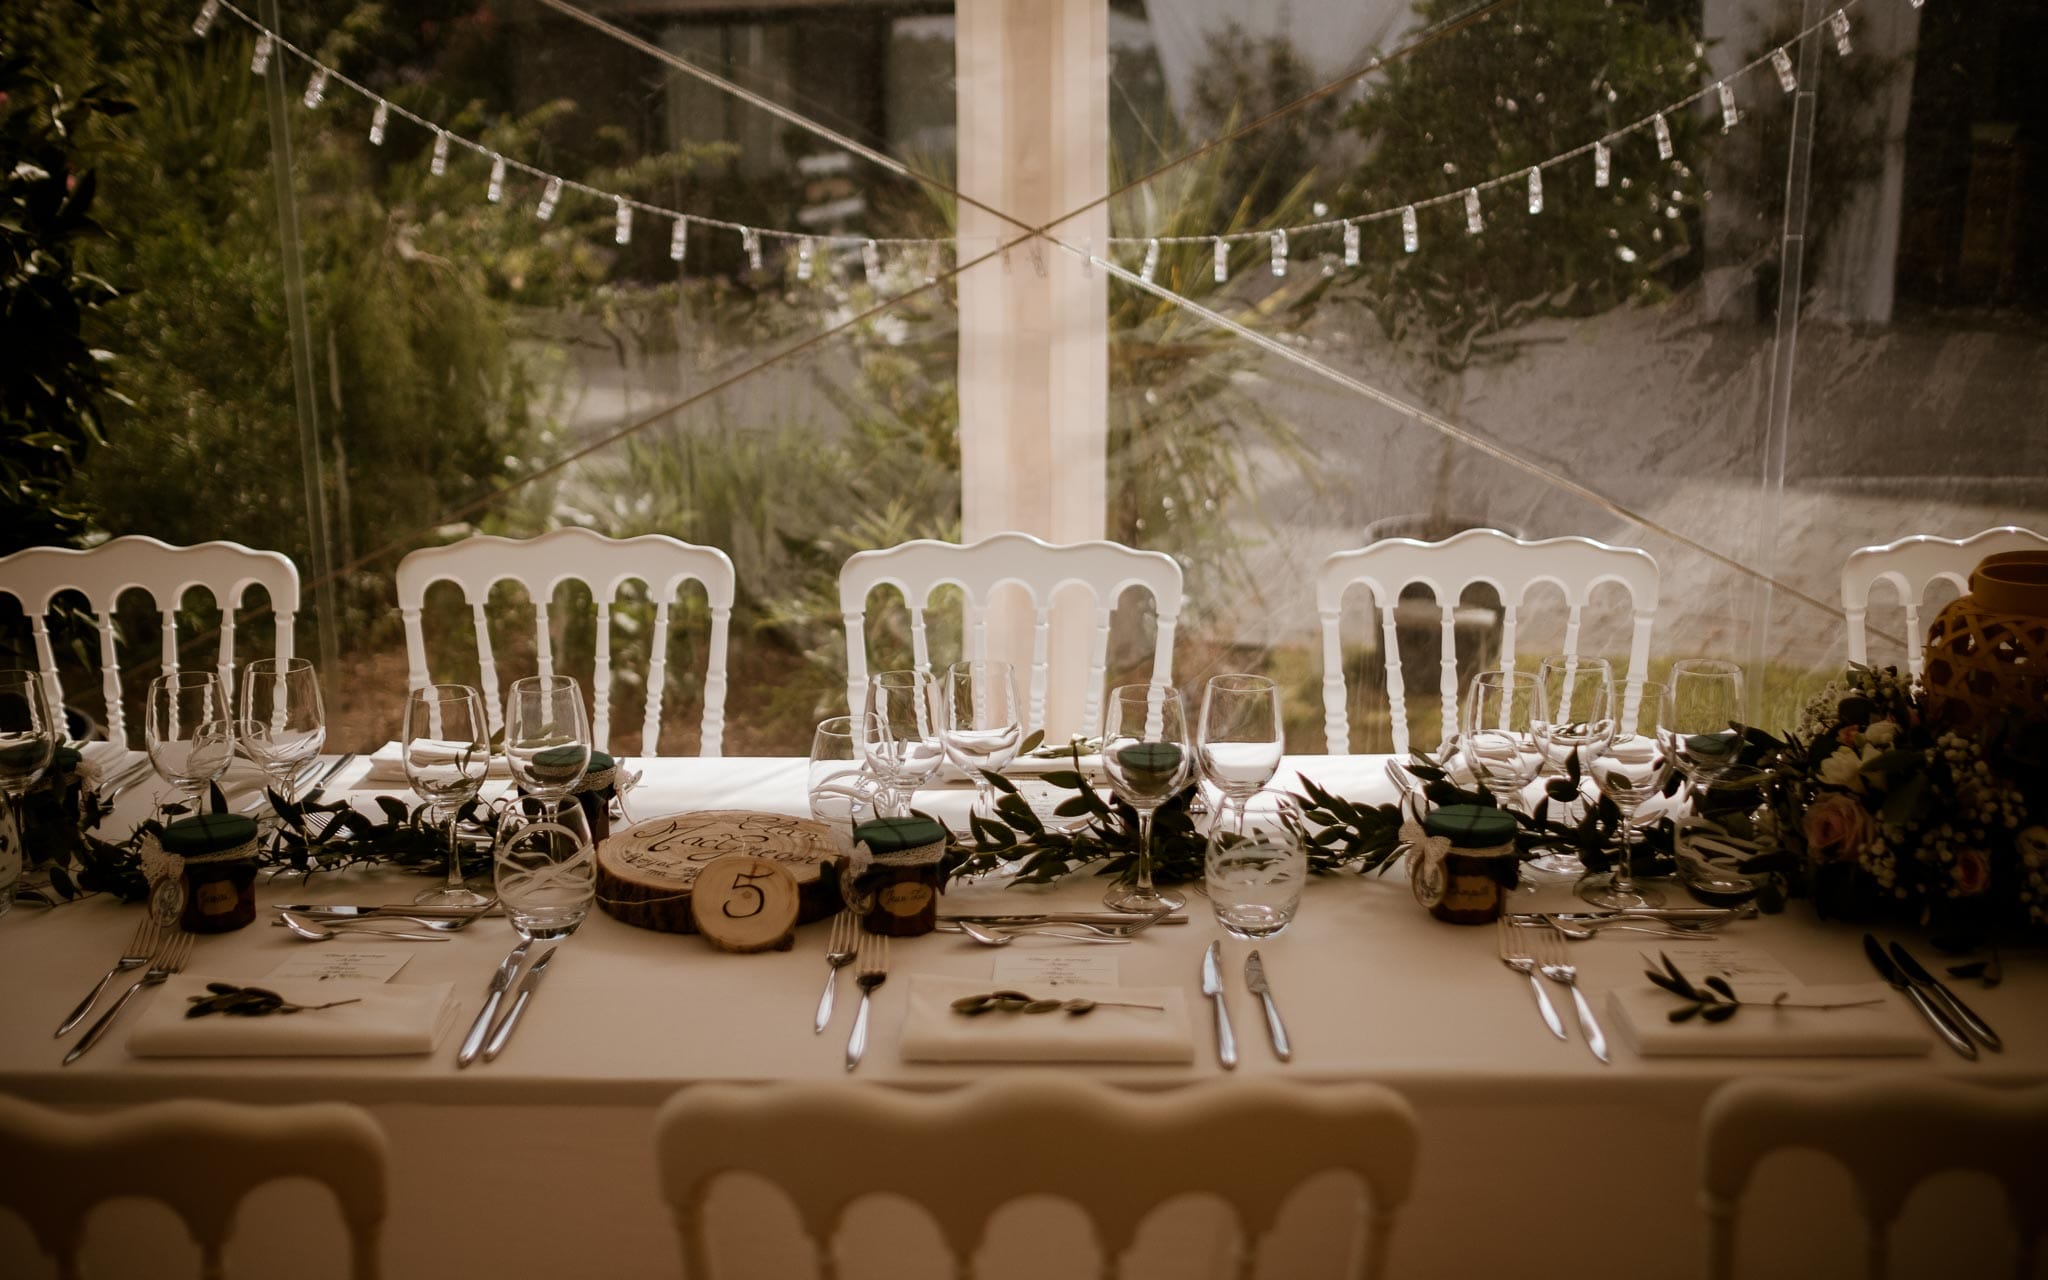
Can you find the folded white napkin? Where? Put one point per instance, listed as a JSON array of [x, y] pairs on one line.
[[387, 764], [1887, 1029], [386, 1020], [932, 1032]]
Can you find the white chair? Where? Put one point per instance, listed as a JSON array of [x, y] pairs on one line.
[[1041, 568], [199, 1158], [540, 565], [104, 572], [1890, 1135], [1512, 565], [1911, 565], [1115, 1153]]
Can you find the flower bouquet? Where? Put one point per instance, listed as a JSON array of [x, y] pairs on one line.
[[1881, 811]]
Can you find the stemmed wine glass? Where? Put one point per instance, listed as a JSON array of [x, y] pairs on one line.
[[547, 738], [1702, 718], [28, 739], [283, 722], [1578, 723], [1240, 740], [1497, 732], [187, 731], [447, 754], [984, 723], [841, 789], [1630, 771], [1145, 752], [905, 751]]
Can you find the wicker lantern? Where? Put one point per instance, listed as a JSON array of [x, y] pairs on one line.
[[1988, 650]]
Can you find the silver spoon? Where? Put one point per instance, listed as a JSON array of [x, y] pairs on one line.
[[1580, 933], [318, 932], [990, 938]]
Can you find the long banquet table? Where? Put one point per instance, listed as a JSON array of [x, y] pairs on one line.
[[1535, 1156]]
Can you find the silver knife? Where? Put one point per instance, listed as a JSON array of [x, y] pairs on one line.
[[1065, 917], [1962, 1012], [345, 911], [1950, 1033], [1255, 982], [1212, 986], [313, 787], [473, 1041], [526, 990]]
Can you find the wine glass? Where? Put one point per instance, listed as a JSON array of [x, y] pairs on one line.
[[1630, 771], [1145, 752], [984, 723], [1702, 719], [1240, 741], [28, 739], [1578, 701], [544, 866], [1256, 862], [1497, 732], [547, 737], [447, 754], [905, 751], [842, 792], [187, 731], [283, 722]]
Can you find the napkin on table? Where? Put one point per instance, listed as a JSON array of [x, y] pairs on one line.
[[1886, 1029], [932, 1032], [387, 765], [387, 1020]]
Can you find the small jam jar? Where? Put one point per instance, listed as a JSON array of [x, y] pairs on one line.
[[219, 850], [1471, 882]]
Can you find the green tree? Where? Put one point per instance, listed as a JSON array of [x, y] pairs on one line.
[[53, 380]]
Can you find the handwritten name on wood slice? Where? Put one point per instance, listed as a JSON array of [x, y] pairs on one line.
[[648, 873], [745, 903]]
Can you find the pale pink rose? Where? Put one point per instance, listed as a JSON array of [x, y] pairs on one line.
[[1972, 872], [1836, 828], [1882, 734], [1843, 769]]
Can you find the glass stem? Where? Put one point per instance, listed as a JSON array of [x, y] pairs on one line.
[[454, 856], [1144, 851], [985, 799], [1624, 877]]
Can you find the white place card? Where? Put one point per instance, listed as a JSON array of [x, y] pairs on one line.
[[339, 963], [1031, 971], [1754, 974]]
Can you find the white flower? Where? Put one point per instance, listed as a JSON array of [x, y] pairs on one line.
[[1882, 734], [1843, 769]]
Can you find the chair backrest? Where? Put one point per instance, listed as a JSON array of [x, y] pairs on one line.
[[1512, 565], [102, 573], [1890, 1135], [1041, 568], [541, 564], [1911, 565], [200, 1158], [1115, 1153]]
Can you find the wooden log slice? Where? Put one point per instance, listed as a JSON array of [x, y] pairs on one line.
[[743, 902], [646, 873]]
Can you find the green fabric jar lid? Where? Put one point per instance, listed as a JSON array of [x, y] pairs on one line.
[[1471, 826], [603, 771], [1150, 757], [208, 833], [884, 836], [560, 764]]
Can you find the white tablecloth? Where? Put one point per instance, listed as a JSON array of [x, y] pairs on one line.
[[1532, 1149]]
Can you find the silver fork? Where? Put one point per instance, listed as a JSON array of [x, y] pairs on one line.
[[1514, 955], [874, 971], [140, 948], [170, 957], [1549, 945], [839, 953]]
